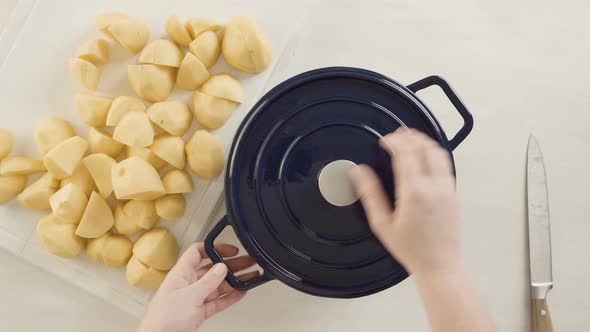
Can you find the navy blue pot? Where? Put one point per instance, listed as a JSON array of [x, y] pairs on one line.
[[274, 204]]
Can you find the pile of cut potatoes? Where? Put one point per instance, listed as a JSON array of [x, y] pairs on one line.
[[130, 171]]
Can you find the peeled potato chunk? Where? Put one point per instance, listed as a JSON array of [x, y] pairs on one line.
[[142, 276], [99, 166], [145, 154], [6, 142], [224, 86], [97, 218], [132, 33], [50, 132], [125, 224], [212, 112], [171, 149], [134, 129], [161, 52], [173, 116], [95, 51], [135, 178], [177, 181], [11, 186], [121, 106], [171, 207], [104, 21], [65, 157], [59, 239], [206, 47], [204, 154], [20, 165], [81, 178], [244, 46], [116, 250], [196, 26], [192, 73], [156, 248], [93, 110], [87, 73], [68, 204], [143, 212], [152, 82], [94, 249], [101, 142], [176, 31], [36, 195]]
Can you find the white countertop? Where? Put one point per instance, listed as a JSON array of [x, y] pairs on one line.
[[521, 67]]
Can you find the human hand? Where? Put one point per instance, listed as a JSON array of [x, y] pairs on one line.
[[191, 294], [422, 232]]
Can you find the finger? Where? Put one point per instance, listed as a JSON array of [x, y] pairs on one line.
[[222, 303], [200, 289], [373, 197], [405, 161], [225, 288], [236, 264], [439, 162], [184, 272], [224, 249]]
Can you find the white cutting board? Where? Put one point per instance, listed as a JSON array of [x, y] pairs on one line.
[[36, 44]]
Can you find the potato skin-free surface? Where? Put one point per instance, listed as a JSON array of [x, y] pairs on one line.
[[93, 110], [212, 112], [36, 195], [62, 160], [50, 132], [21, 165], [11, 186], [171, 207], [204, 155], [173, 116], [244, 46], [6, 142], [176, 31], [97, 218], [177, 181], [135, 178], [143, 276], [68, 204], [152, 82], [156, 248], [59, 239], [224, 86]]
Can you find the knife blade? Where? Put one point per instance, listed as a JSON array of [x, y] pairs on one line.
[[539, 237]]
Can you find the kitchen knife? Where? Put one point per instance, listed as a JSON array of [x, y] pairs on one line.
[[539, 237]]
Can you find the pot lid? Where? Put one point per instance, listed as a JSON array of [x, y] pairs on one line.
[[288, 193]]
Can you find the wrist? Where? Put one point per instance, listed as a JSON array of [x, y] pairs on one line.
[[438, 272]]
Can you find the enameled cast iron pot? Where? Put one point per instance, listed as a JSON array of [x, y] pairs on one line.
[[275, 205]]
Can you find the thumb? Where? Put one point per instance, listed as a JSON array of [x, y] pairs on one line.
[[201, 288]]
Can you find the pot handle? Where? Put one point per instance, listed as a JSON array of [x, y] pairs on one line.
[[455, 100], [215, 257]]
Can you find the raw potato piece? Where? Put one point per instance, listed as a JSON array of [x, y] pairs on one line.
[[176, 31], [93, 110], [212, 112], [196, 26], [94, 249], [104, 21], [59, 239], [11, 186], [19, 165], [36, 196], [177, 181], [206, 47], [86, 73], [156, 248], [224, 86], [171, 149], [173, 116], [171, 207], [95, 51], [145, 154], [143, 212], [134, 129], [65, 157], [68, 204], [125, 224], [121, 106], [135, 178], [97, 218], [99, 166], [244, 46], [50, 132], [152, 82], [116, 250], [81, 178], [143, 276], [101, 142], [204, 154], [132, 33], [161, 52], [6, 142], [192, 73]]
